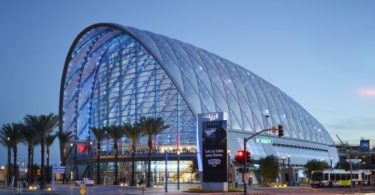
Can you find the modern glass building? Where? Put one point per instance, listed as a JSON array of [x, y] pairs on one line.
[[115, 74]]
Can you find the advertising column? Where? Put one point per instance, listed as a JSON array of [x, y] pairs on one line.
[[212, 134]]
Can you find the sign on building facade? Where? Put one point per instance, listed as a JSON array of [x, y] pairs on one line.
[[212, 150]]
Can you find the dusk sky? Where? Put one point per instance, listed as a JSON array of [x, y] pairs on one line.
[[321, 53]]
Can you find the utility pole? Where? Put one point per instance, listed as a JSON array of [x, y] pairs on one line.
[[350, 163]]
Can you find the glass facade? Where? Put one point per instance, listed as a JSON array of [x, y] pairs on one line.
[[112, 79], [115, 74]]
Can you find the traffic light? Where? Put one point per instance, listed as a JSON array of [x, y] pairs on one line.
[[240, 157], [281, 130], [372, 159], [248, 157], [273, 130]]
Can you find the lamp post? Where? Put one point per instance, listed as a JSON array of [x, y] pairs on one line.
[[267, 116], [75, 162], [228, 168], [178, 169], [166, 169], [8, 165], [289, 172], [330, 159], [90, 159], [348, 156], [283, 169]]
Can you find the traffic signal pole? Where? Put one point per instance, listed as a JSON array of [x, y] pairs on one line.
[[244, 164], [281, 133], [348, 156]]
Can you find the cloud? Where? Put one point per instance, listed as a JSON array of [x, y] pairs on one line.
[[367, 92], [351, 129], [353, 124]]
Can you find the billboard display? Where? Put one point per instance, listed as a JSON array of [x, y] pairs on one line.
[[365, 145], [214, 151]]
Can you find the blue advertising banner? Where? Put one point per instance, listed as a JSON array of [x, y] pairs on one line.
[[364, 145]]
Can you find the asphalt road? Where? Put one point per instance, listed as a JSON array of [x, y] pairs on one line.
[[117, 190]]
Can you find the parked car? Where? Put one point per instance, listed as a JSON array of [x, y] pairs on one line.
[[85, 181]]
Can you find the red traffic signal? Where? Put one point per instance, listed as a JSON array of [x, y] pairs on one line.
[[248, 157], [240, 157], [281, 130]]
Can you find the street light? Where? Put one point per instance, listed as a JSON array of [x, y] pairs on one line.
[[290, 176], [229, 179], [90, 159], [166, 169], [245, 140], [330, 159], [178, 169], [283, 169], [267, 115], [75, 162]]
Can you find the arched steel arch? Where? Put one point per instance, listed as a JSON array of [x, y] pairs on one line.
[[71, 50], [208, 83]]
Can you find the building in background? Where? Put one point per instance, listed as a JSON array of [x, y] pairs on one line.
[[362, 154], [115, 74]]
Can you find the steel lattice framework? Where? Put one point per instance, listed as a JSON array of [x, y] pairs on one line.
[[115, 74]]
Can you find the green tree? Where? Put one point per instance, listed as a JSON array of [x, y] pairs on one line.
[[64, 138], [15, 137], [5, 134], [116, 133], [133, 134], [43, 125], [31, 138], [315, 165], [99, 134], [269, 169], [150, 127], [49, 141]]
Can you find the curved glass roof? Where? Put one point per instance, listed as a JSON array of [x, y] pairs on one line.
[[207, 82]]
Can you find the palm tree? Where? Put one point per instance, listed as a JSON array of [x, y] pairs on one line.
[[116, 133], [5, 141], [49, 141], [44, 125], [64, 138], [150, 127], [133, 134], [15, 137], [30, 135], [99, 134]]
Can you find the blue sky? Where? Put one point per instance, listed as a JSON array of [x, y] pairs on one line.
[[321, 53]]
